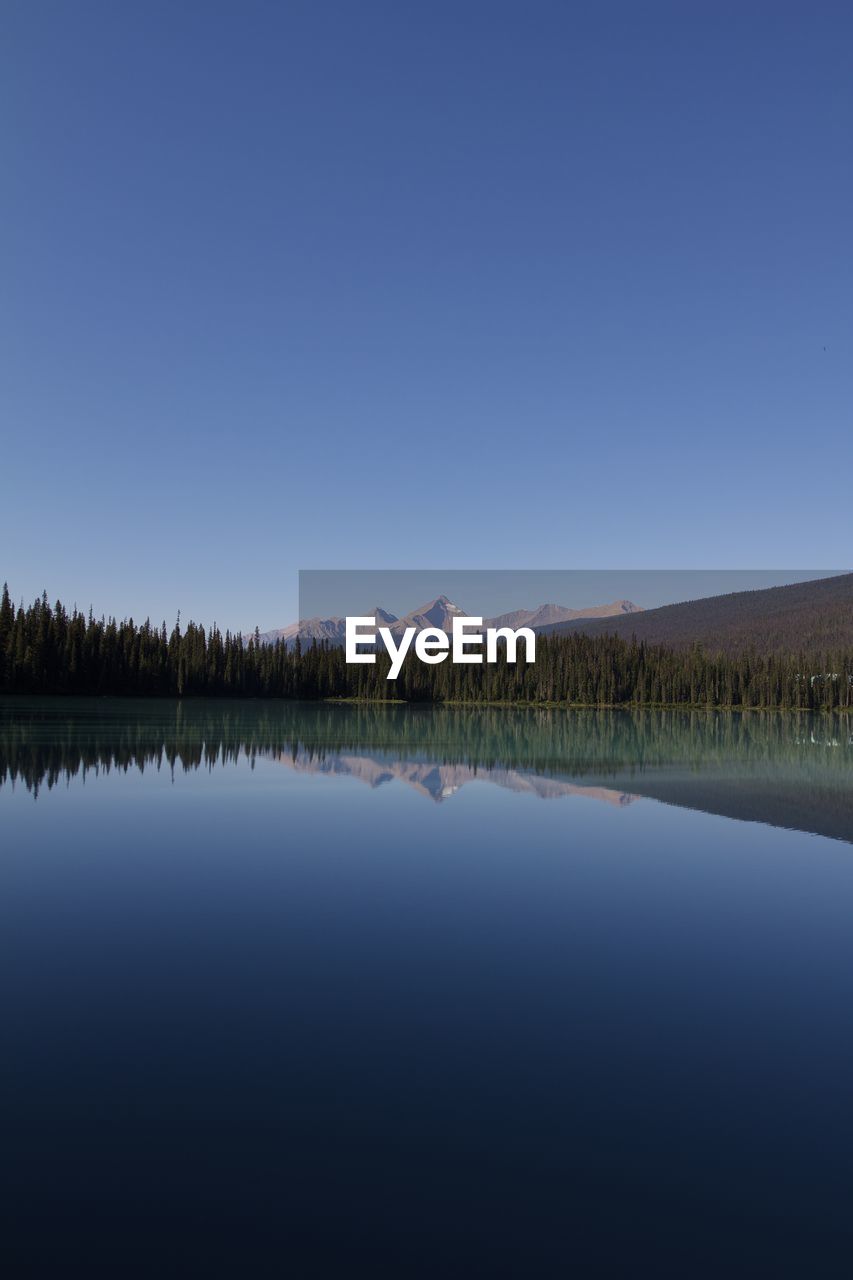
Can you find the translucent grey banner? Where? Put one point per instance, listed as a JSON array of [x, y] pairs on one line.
[[659, 605], [489, 593]]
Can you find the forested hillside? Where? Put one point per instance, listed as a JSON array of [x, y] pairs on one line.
[[813, 617]]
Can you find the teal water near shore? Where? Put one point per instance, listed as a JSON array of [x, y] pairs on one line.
[[524, 989]]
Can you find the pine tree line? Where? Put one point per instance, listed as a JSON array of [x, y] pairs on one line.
[[44, 649]]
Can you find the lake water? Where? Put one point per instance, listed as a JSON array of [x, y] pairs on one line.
[[321, 990]]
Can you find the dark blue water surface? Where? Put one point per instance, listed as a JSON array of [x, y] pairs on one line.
[[327, 990]]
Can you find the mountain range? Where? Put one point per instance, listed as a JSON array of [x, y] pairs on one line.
[[812, 616], [439, 613]]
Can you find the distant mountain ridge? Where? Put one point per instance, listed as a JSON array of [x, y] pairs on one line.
[[551, 614], [439, 613]]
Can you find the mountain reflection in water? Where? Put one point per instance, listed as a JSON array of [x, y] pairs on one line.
[[785, 770], [441, 781]]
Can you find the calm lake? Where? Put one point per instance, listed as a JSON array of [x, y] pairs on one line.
[[314, 990]]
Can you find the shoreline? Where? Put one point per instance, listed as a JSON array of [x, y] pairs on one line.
[[225, 699]]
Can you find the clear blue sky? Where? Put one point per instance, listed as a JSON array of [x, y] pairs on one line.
[[304, 285]]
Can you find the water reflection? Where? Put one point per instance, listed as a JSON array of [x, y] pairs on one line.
[[441, 781], [789, 771]]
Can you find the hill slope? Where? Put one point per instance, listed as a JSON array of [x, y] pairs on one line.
[[549, 614], [813, 616]]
